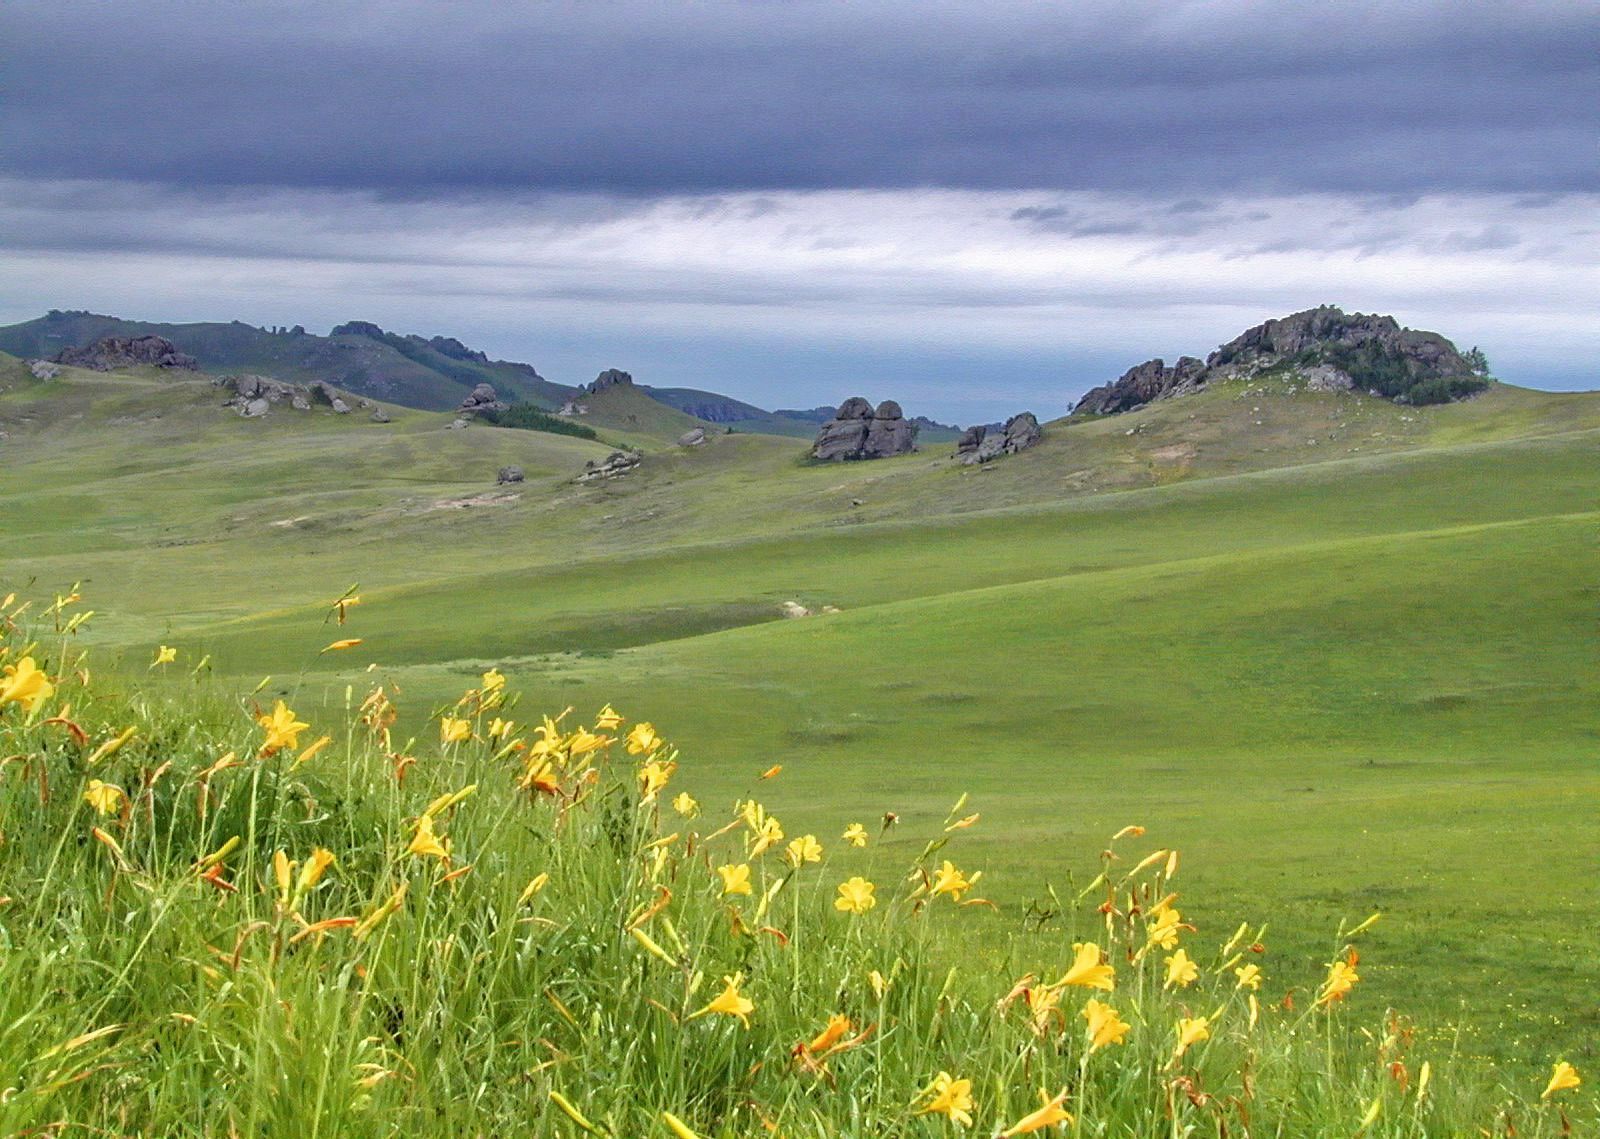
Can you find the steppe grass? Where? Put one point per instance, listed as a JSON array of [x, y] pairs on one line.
[[220, 919]]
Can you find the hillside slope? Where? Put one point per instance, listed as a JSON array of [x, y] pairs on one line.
[[405, 370]]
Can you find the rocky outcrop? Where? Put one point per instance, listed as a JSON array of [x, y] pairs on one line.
[[482, 398], [610, 378], [1139, 385], [254, 396], [1326, 347], [112, 352], [860, 431], [693, 437], [508, 474], [615, 464], [44, 369], [982, 443]]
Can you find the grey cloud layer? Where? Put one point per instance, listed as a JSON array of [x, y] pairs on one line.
[[649, 98]]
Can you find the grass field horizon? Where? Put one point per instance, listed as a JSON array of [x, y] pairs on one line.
[[1338, 651]]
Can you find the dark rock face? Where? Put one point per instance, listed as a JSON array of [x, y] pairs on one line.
[[983, 444], [508, 474], [610, 378], [453, 348], [1139, 385], [482, 398], [112, 352], [358, 328], [1330, 348], [857, 431]]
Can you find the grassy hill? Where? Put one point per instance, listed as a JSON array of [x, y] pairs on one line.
[[1338, 651], [404, 370]]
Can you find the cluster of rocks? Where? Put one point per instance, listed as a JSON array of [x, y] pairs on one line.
[[984, 443], [44, 369], [858, 431], [112, 352], [508, 475], [1314, 342], [614, 464], [254, 396], [482, 398], [610, 378]]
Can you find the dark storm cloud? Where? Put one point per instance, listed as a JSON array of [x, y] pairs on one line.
[[656, 98]]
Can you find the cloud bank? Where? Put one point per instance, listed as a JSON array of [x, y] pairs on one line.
[[982, 206]]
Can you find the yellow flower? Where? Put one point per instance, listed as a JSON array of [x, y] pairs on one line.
[[855, 896], [453, 730], [1164, 930], [878, 983], [282, 729], [311, 751], [1562, 1077], [582, 742], [607, 719], [735, 879], [642, 739], [107, 798], [765, 827], [677, 1126], [804, 849], [653, 777], [1249, 977], [1342, 978], [951, 1098], [1047, 1116], [499, 729], [1087, 969], [426, 844], [314, 869], [1042, 1001], [166, 654], [949, 880], [855, 834], [730, 1002], [839, 1027], [493, 681], [1180, 971], [1191, 1030], [24, 684], [1106, 1025], [340, 645], [685, 805]]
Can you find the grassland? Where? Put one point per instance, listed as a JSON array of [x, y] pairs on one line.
[[1338, 652]]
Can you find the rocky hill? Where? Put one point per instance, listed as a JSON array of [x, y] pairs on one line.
[[1330, 349], [357, 357]]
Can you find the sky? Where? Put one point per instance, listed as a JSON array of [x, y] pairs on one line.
[[971, 208]]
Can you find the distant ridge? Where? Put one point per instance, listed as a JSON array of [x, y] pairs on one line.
[[359, 356]]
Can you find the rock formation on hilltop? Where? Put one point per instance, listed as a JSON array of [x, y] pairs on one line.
[[112, 352], [610, 378], [982, 443], [858, 431], [1327, 347]]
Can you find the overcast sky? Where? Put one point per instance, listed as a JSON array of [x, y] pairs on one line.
[[971, 208]]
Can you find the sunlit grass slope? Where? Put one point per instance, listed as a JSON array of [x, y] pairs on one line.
[[1352, 673], [221, 919]]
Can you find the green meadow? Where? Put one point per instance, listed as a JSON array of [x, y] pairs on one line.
[[1340, 654]]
